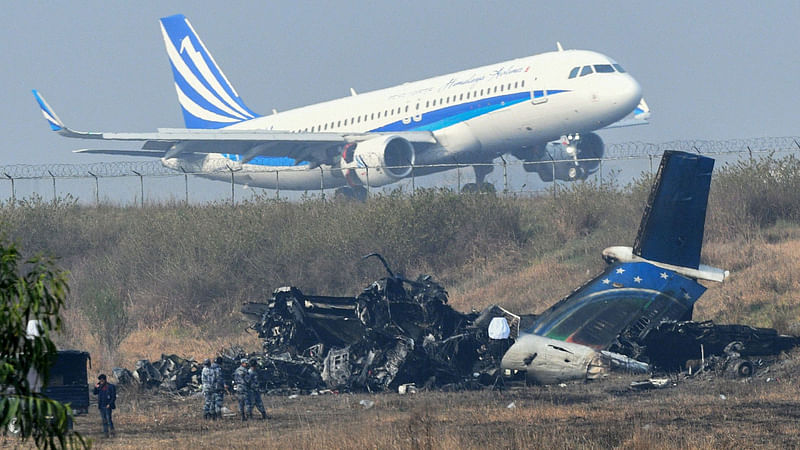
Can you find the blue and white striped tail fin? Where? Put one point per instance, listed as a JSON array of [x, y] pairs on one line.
[[52, 119], [206, 96]]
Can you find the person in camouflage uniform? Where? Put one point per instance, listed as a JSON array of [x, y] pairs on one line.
[[240, 382], [209, 379], [254, 396], [219, 388]]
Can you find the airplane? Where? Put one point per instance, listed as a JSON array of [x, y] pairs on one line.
[[591, 331], [541, 108]]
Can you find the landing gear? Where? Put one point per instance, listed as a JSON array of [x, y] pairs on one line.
[[480, 185], [358, 193], [475, 188]]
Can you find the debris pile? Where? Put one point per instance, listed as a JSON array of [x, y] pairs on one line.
[[170, 374], [396, 332], [670, 345]]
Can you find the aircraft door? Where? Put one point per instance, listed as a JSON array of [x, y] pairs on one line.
[[538, 90]]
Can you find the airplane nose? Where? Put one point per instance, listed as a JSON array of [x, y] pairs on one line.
[[628, 93]]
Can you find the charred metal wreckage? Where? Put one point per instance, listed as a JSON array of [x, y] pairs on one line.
[[400, 334]]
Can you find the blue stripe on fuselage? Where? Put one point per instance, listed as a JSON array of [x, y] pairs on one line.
[[429, 121]]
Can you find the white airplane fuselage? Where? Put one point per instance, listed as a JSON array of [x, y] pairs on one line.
[[475, 115]]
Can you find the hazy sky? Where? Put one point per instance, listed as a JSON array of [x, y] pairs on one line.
[[709, 70]]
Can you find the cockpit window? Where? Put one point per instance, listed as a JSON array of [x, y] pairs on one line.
[[574, 72], [619, 68], [586, 70], [603, 68]]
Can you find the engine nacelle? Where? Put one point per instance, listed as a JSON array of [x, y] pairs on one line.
[[378, 161], [573, 159]]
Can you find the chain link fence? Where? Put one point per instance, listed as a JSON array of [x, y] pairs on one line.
[[149, 182]]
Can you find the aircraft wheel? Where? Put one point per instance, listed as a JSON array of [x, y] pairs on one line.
[[546, 172], [744, 369], [469, 188], [360, 193], [475, 188], [344, 193]]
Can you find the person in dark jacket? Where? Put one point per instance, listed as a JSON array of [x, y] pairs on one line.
[[106, 401]]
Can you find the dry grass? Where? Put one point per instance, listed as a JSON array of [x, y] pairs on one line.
[[692, 414]]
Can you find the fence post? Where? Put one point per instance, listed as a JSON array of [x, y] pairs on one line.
[[141, 187], [277, 185], [233, 191], [413, 181], [367, 172], [185, 184], [54, 186], [96, 190], [322, 182], [505, 175], [650, 157], [553, 162], [458, 173], [13, 190]]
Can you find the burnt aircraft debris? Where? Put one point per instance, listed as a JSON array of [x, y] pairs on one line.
[[396, 332]]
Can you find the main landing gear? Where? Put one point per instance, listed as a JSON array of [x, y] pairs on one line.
[[480, 186], [358, 193]]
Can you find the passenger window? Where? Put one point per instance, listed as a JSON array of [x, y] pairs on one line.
[[406, 108], [417, 106], [467, 95], [428, 104], [495, 88], [515, 84], [522, 83], [359, 119], [509, 86], [603, 68], [501, 88], [461, 97], [586, 71], [574, 72], [481, 92], [619, 68]]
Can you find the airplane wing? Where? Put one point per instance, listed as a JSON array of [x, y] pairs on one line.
[[623, 296], [640, 116], [172, 142]]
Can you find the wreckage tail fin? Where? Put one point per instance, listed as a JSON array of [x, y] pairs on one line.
[[671, 231]]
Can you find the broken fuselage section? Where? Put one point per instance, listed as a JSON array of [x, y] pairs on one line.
[[599, 325]]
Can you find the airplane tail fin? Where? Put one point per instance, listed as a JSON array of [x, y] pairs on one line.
[[207, 98], [672, 227]]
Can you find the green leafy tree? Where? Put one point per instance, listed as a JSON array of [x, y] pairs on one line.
[[31, 289]]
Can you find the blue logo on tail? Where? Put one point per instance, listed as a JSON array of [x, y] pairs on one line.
[[206, 97]]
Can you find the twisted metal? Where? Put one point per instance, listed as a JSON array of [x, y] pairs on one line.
[[623, 150]]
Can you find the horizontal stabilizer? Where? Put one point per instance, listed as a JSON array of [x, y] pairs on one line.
[[100, 151], [672, 227]]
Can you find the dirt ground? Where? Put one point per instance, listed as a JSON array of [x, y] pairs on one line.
[[761, 412]]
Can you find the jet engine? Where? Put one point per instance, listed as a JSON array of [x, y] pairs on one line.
[[377, 161], [573, 158]]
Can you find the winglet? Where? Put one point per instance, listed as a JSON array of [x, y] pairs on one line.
[[55, 123]]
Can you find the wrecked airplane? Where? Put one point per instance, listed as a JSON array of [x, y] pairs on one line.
[[397, 332], [585, 334]]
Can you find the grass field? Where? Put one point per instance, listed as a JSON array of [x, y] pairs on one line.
[[705, 413]]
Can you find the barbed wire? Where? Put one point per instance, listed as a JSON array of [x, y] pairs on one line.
[[613, 151]]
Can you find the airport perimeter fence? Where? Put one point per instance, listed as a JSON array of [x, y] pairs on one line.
[[128, 183]]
